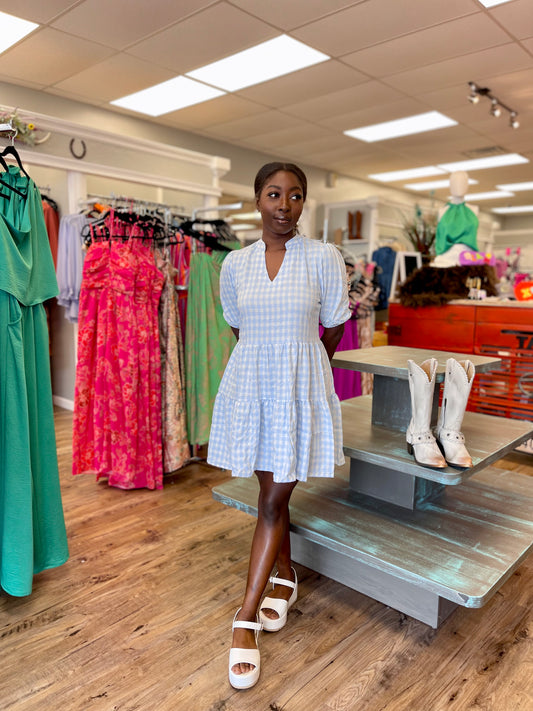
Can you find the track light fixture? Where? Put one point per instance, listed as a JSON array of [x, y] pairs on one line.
[[496, 105]]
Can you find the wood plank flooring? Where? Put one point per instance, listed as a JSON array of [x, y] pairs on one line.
[[139, 619]]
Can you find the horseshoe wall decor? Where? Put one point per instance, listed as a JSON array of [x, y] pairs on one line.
[[83, 153]]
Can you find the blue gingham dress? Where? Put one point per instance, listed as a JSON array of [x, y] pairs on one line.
[[276, 408]]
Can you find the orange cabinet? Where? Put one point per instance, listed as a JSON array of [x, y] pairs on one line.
[[483, 329]]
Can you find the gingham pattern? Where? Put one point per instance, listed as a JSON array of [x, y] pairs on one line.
[[276, 408]]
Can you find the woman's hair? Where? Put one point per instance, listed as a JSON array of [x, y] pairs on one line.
[[269, 169]]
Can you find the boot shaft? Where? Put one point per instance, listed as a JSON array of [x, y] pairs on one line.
[[457, 386]]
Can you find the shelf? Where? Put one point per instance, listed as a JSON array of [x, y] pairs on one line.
[[488, 438], [391, 361]]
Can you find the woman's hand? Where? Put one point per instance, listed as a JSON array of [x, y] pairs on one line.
[[331, 339]]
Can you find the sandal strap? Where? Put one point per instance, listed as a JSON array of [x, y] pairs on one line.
[[281, 581], [245, 624]]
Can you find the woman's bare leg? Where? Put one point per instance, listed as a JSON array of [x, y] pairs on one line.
[[269, 544]]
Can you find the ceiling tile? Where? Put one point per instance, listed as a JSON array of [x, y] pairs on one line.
[[472, 67], [48, 56], [115, 77], [8, 78], [516, 17], [126, 21], [305, 84], [278, 140], [344, 101], [223, 109], [370, 114], [528, 44], [444, 41], [254, 125], [368, 23], [36, 10], [288, 15], [205, 37]]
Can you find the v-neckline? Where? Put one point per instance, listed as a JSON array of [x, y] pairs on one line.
[[273, 279], [286, 250]]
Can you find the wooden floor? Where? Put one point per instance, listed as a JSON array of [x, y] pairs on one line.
[[139, 620]]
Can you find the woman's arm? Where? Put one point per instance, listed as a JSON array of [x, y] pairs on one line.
[[331, 338]]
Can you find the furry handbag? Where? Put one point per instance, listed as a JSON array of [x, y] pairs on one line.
[[434, 286]]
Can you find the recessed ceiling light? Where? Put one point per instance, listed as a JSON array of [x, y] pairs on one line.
[[516, 187], [492, 3], [435, 184], [491, 195], [409, 174], [484, 163], [13, 30], [419, 123], [265, 61], [510, 210], [168, 96]]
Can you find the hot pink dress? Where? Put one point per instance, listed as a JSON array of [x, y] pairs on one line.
[[117, 399]]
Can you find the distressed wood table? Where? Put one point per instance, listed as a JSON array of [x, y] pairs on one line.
[[374, 427], [417, 539]]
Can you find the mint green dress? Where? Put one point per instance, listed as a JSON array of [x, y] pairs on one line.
[[32, 527], [458, 225]]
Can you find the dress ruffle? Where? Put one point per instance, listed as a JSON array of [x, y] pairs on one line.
[[277, 411]]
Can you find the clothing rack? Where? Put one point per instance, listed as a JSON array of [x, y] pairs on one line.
[[128, 201]]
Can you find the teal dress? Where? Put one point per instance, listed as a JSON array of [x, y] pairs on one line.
[[458, 225], [32, 527]]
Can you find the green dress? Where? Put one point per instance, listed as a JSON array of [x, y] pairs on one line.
[[32, 527], [208, 343], [458, 225]]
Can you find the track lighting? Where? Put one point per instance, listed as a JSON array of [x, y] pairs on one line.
[[496, 105]]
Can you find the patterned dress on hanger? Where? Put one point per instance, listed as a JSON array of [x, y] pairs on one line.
[[176, 450], [117, 398]]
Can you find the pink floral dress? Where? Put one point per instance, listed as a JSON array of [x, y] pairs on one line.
[[117, 399]]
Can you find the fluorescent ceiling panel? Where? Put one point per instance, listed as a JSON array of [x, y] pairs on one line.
[[492, 3], [410, 174], [484, 163], [511, 210], [516, 187], [491, 195], [419, 123], [435, 184], [13, 29], [168, 96], [268, 60]]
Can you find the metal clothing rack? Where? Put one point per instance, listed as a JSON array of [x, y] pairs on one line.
[[128, 201]]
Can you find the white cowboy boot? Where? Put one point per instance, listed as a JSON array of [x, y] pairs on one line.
[[457, 386], [420, 440]]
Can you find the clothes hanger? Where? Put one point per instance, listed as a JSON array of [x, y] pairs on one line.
[[11, 150], [7, 185]]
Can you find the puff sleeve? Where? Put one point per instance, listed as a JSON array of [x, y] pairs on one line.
[[228, 293], [334, 308]]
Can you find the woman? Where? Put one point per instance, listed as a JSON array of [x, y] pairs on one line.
[[276, 412]]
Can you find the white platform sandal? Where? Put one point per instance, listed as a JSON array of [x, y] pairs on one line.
[[281, 606], [240, 655]]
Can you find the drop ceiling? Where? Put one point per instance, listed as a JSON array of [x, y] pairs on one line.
[[389, 59]]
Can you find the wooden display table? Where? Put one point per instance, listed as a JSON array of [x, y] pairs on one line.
[[407, 535]]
